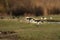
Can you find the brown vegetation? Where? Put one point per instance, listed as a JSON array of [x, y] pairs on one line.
[[31, 7]]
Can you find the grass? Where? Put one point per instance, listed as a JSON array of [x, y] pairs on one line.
[[55, 17], [27, 31]]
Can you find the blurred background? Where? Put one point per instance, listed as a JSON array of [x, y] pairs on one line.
[[29, 7]]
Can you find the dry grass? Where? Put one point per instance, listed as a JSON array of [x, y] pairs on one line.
[[25, 31]]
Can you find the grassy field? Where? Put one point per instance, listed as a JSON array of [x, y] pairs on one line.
[[27, 31]]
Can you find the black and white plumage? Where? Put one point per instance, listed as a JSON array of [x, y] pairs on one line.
[[38, 21], [33, 20], [28, 19]]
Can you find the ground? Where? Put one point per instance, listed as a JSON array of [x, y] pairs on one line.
[[25, 31]]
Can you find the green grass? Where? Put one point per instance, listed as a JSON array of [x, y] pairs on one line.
[[27, 31], [55, 17]]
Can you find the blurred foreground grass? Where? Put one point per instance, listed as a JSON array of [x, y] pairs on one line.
[[27, 31]]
